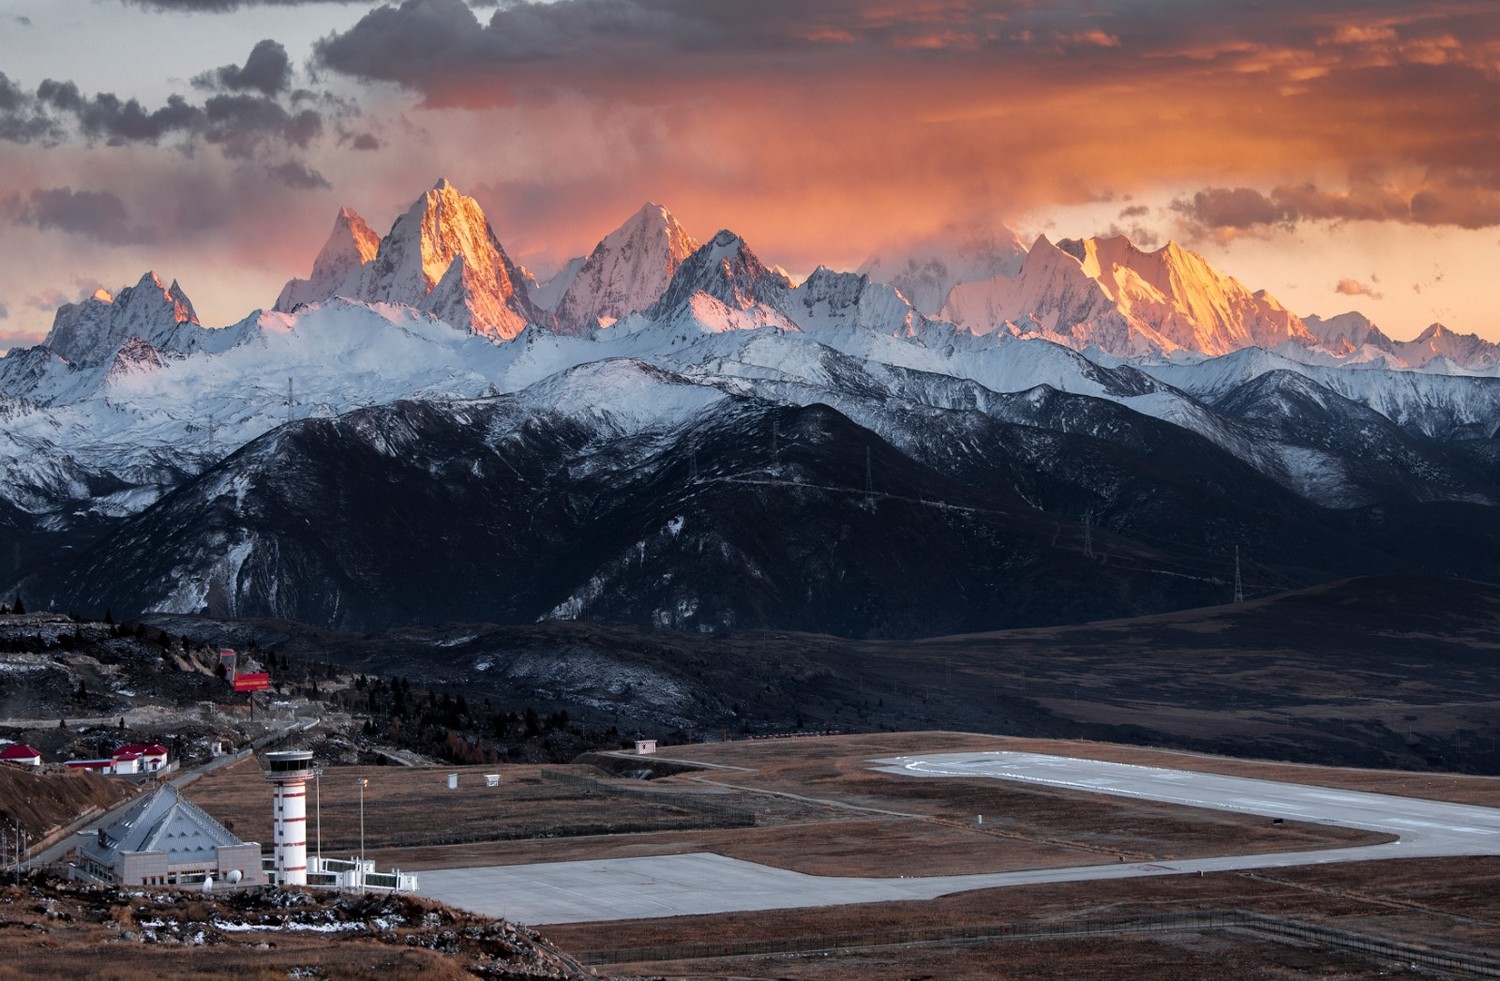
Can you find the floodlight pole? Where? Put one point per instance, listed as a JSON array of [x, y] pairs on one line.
[[318, 811], [362, 781]]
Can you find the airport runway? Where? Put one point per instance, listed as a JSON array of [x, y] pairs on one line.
[[677, 885]]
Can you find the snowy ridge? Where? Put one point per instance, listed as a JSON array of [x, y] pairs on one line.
[[628, 270], [926, 271], [130, 395], [92, 330], [338, 267], [728, 271], [1106, 293], [545, 296], [442, 257]]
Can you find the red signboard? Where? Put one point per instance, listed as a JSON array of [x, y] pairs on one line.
[[252, 682]]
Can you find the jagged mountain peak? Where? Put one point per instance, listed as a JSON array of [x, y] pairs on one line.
[[1345, 333], [92, 330], [1438, 347], [827, 299], [336, 270], [1110, 294], [728, 270], [442, 257], [627, 271]]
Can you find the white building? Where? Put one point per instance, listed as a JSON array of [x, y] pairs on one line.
[[166, 839]]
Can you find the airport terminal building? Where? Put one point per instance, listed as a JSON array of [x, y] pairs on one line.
[[165, 839]]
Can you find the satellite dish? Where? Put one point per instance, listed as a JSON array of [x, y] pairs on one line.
[[234, 876]]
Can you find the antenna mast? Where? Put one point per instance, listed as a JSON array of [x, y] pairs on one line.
[[1088, 534], [1239, 586]]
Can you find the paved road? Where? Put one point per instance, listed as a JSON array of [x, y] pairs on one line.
[[675, 885], [179, 779]]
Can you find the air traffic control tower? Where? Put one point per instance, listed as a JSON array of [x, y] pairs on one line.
[[289, 770]]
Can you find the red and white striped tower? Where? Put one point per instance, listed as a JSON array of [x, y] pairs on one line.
[[289, 770]]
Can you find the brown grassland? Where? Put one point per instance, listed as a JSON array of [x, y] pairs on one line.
[[819, 808]]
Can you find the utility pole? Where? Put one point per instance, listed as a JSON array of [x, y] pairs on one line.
[[1239, 586], [1088, 534]]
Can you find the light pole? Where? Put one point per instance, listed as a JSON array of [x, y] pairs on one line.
[[362, 782], [318, 811]]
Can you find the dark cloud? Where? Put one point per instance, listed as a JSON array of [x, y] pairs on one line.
[[1456, 197], [299, 177], [4, 311], [22, 118], [365, 141], [242, 122], [105, 116], [1135, 211], [99, 215], [225, 6], [441, 48], [1237, 208], [267, 70], [1257, 93]]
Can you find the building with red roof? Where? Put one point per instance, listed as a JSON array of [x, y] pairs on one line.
[[21, 754]]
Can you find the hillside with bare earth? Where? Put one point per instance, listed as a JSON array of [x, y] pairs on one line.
[[43, 803]]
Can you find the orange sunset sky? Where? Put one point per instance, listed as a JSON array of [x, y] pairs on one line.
[[1339, 154]]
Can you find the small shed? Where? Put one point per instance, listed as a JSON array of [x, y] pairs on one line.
[[21, 754], [645, 747]]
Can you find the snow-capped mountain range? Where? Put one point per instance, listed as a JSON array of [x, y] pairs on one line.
[[1060, 385]]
